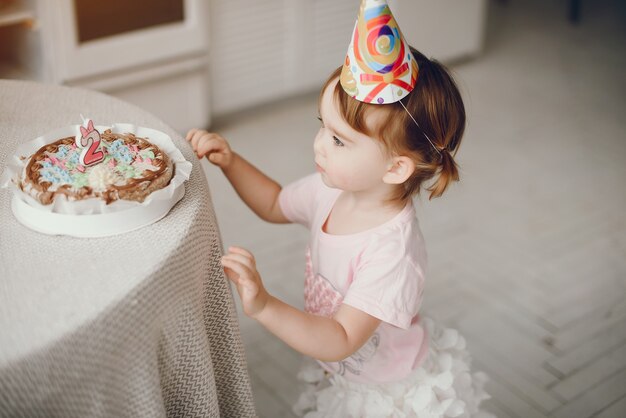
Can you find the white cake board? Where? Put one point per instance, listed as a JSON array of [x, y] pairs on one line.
[[92, 226]]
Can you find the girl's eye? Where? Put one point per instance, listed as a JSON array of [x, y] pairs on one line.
[[337, 141]]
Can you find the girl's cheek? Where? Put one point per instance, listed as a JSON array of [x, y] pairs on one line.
[[358, 173], [341, 175]]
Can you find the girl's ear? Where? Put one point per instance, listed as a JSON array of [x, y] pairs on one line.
[[400, 170]]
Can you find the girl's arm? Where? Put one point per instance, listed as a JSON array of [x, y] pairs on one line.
[[257, 190], [326, 339]]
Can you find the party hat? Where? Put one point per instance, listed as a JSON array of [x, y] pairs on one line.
[[379, 67]]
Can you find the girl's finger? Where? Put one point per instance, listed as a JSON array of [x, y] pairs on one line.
[[242, 270], [216, 157], [196, 138], [242, 251], [230, 273], [205, 146], [242, 259], [190, 133], [239, 275]]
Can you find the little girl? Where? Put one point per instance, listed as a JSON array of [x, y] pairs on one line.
[[381, 140]]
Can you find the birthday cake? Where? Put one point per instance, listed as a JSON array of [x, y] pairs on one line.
[[127, 167]]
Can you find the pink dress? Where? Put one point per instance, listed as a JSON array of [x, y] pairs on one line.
[[408, 367]]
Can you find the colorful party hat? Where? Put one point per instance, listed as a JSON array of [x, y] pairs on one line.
[[379, 66]]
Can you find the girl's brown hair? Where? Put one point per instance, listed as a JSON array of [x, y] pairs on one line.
[[436, 105]]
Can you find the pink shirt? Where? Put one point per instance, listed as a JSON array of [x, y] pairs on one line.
[[379, 271]]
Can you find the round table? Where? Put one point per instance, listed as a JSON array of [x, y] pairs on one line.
[[149, 329]]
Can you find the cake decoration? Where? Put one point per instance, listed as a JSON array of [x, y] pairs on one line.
[[89, 143], [107, 165], [137, 182]]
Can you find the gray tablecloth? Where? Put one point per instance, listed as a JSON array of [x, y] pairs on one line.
[[148, 330]]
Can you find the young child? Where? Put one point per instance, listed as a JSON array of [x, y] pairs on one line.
[[391, 122]]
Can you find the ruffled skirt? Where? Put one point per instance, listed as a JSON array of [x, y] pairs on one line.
[[443, 386]]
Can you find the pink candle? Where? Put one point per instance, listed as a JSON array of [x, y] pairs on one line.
[[89, 142]]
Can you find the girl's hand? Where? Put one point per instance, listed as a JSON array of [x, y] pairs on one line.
[[240, 268], [212, 145]]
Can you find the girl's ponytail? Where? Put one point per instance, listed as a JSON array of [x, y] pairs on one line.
[[448, 172], [440, 107]]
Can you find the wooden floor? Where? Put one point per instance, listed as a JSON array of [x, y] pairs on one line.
[[528, 252]]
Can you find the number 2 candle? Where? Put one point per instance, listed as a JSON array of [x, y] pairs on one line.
[[89, 142]]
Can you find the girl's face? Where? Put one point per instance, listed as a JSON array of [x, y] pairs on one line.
[[347, 159]]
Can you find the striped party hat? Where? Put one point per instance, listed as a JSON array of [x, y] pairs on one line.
[[379, 67]]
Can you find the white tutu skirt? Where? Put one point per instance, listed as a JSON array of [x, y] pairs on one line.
[[443, 386]]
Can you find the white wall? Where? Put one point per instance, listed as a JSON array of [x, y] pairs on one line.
[[443, 29], [266, 50]]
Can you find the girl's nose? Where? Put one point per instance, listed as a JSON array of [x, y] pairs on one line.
[[317, 144]]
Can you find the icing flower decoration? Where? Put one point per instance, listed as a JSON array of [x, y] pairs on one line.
[[121, 151]]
